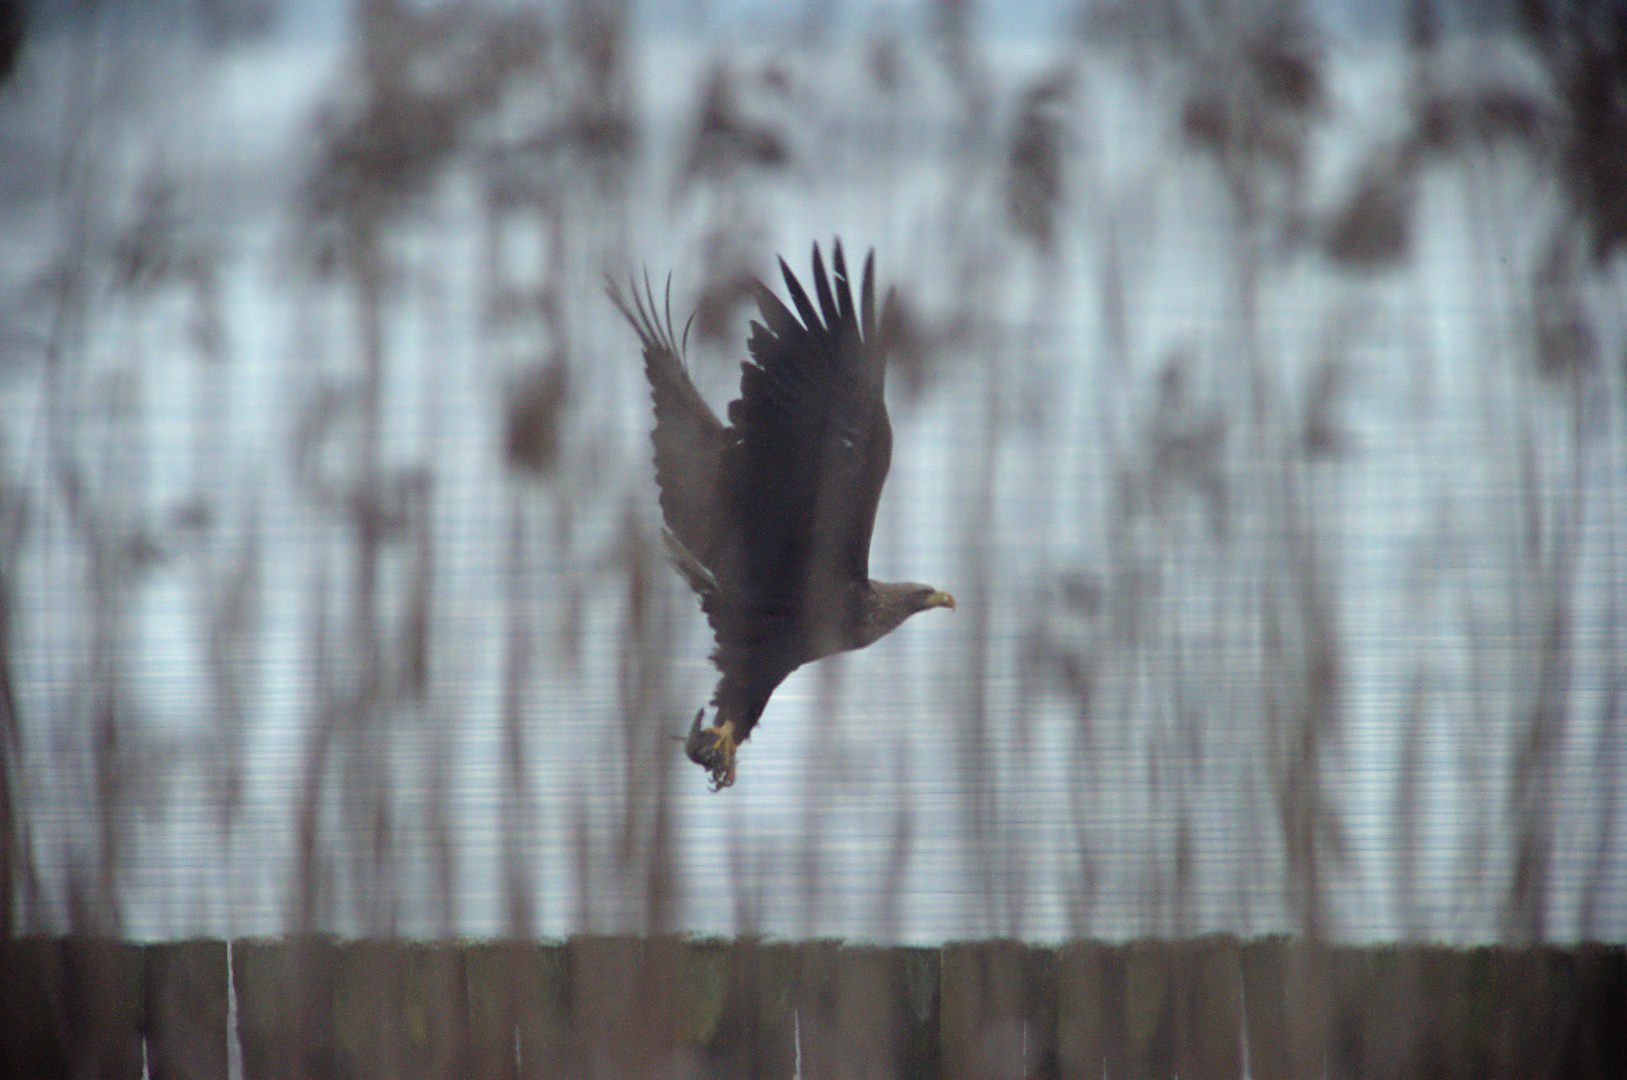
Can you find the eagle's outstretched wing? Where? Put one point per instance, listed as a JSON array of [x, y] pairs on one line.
[[688, 437], [809, 442]]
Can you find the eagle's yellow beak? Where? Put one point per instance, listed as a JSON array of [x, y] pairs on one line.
[[941, 599]]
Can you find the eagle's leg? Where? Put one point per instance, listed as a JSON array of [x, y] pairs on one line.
[[712, 748]]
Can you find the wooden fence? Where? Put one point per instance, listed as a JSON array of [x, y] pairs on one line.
[[315, 1008]]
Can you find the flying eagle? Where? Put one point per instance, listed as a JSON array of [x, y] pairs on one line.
[[769, 518]]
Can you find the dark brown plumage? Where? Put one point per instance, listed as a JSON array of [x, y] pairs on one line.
[[769, 518]]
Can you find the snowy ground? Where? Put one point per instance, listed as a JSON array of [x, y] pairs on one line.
[[1280, 477]]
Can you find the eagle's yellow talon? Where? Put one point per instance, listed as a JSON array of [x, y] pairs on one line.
[[712, 748]]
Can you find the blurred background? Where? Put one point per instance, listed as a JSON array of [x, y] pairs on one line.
[[1259, 394]]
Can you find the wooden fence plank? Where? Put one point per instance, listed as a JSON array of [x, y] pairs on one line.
[[825, 1015], [751, 1033], [602, 986], [1375, 1011], [434, 1021], [367, 1012], [634, 1004], [1307, 991], [999, 1013], [921, 1017], [1208, 992], [1598, 1046], [34, 1040], [1287, 993], [104, 1007], [285, 994], [1265, 1007], [1443, 1047], [681, 995], [874, 1014], [855, 1012], [1147, 1013], [1558, 1012], [517, 1022], [704, 974], [1088, 993], [186, 1010]]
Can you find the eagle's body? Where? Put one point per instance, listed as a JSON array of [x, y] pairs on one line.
[[769, 518]]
